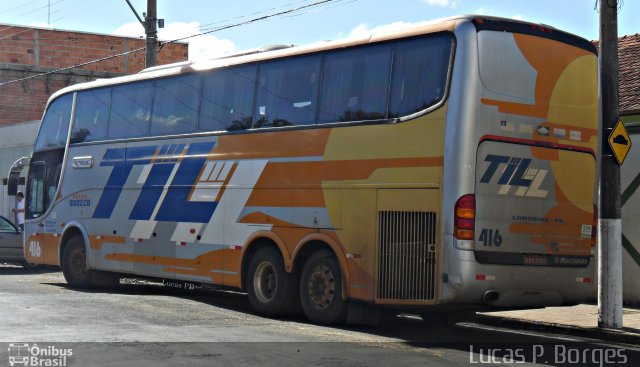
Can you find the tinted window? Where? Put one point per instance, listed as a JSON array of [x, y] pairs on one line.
[[419, 74], [287, 92], [55, 124], [355, 84], [175, 105], [227, 99], [131, 110], [91, 115]]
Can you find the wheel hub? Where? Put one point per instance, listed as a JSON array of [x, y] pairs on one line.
[[265, 282], [321, 287], [78, 263]]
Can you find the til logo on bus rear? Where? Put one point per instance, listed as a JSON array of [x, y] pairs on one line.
[[515, 173]]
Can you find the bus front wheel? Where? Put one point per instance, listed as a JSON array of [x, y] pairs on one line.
[[321, 289], [271, 290], [74, 264]]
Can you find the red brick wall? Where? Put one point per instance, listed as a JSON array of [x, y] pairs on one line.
[[25, 52]]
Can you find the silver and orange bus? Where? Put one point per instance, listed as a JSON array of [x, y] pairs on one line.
[[446, 165]]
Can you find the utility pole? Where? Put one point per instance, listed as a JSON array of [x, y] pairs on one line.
[[610, 251], [150, 29], [152, 34]]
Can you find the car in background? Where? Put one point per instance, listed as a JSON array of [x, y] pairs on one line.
[[11, 245]]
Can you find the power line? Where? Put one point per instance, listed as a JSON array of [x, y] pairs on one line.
[[92, 6], [16, 7], [73, 66], [238, 24], [265, 17]]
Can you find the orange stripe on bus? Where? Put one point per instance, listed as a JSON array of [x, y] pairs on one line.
[[299, 143], [96, 242], [304, 179]]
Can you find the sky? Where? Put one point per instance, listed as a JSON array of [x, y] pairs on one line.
[[333, 19]]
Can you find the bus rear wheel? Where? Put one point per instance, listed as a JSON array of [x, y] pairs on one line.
[[271, 290], [74, 264], [321, 289]]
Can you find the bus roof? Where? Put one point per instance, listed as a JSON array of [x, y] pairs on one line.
[[279, 51]]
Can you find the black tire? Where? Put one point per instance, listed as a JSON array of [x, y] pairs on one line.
[[271, 290], [321, 289], [74, 264], [31, 266]]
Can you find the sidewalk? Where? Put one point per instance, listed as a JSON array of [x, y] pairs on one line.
[[577, 320]]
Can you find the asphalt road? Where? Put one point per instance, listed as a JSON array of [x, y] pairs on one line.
[[145, 324]]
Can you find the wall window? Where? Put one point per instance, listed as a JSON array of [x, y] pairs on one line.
[[91, 115], [55, 124], [130, 111], [227, 99], [175, 105], [287, 92], [355, 84], [419, 73]]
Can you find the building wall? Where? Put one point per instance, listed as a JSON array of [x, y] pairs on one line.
[[27, 52], [16, 141], [630, 188]]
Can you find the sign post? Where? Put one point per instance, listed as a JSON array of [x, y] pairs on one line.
[[610, 223]]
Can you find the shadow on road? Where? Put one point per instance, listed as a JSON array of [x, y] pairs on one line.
[[485, 343], [15, 269]]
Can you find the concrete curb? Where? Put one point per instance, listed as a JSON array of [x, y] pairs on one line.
[[625, 336]]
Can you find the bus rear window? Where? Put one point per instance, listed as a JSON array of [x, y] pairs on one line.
[[55, 124]]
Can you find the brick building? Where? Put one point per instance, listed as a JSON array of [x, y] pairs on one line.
[[29, 51], [26, 51]]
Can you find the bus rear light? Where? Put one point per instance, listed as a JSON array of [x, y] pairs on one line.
[[464, 217], [583, 280], [485, 277]]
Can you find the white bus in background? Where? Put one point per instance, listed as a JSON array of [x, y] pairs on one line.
[[16, 180]]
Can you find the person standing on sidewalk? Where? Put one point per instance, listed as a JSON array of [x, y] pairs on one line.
[[19, 210]]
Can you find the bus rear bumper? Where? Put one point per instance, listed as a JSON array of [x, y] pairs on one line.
[[516, 286]]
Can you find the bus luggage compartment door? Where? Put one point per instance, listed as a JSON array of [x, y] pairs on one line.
[[534, 205]]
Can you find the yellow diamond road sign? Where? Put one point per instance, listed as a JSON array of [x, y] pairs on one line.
[[620, 142]]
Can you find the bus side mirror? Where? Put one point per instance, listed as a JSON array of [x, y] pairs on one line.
[[12, 183]]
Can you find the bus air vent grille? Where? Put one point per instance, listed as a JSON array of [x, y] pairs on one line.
[[406, 256]]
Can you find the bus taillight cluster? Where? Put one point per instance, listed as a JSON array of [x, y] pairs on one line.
[[464, 217]]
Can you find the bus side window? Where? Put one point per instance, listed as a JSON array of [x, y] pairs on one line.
[[55, 124], [227, 99], [419, 74], [288, 92], [355, 84], [175, 105], [92, 112], [130, 110]]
